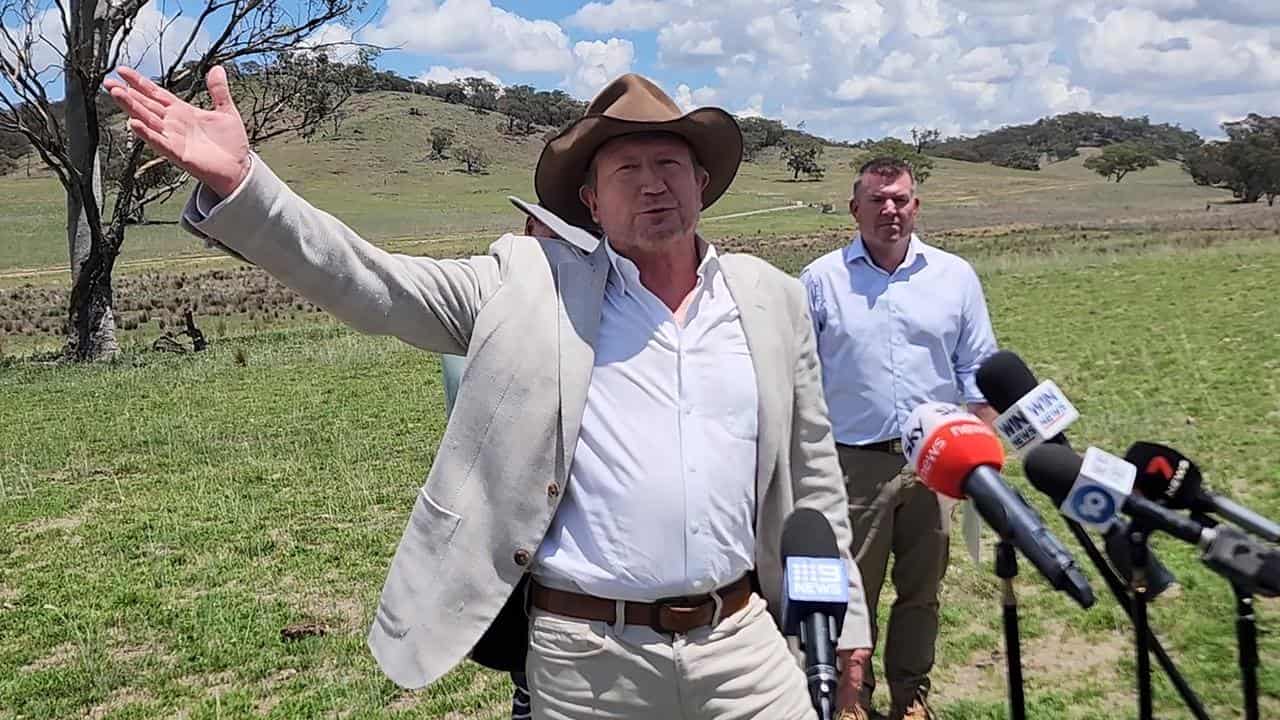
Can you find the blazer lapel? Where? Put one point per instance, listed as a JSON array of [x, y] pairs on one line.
[[581, 287], [766, 358]]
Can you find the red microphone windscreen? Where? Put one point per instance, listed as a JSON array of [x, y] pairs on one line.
[[951, 445]]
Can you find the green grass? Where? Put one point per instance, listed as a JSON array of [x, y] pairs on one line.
[[165, 517]]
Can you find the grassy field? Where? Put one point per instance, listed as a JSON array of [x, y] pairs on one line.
[[166, 518]]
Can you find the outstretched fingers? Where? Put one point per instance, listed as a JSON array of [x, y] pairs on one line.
[[143, 85], [156, 139], [139, 107]]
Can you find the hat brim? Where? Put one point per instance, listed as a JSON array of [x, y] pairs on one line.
[[713, 134], [580, 237]]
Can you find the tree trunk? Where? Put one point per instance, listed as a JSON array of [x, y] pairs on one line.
[[91, 329]]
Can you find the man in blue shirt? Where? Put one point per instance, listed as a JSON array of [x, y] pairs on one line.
[[898, 323]]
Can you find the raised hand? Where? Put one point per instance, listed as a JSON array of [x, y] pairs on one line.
[[211, 145]]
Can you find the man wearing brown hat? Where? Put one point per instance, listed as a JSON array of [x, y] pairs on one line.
[[640, 414]]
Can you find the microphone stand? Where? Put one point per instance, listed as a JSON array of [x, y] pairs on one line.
[[1247, 640], [1118, 590], [1138, 552], [1007, 570]]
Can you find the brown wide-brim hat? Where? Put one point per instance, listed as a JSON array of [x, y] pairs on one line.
[[633, 104]]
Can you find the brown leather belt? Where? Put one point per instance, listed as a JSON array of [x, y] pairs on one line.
[[669, 615]]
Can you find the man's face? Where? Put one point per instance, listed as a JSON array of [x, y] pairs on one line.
[[647, 190], [885, 209]]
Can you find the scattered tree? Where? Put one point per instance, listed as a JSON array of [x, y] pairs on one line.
[[295, 91], [759, 133], [802, 157], [1116, 161], [441, 139], [921, 165], [1023, 158], [481, 94], [1247, 163], [474, 159], [924, 138]]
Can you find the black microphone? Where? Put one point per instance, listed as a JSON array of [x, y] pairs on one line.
[[814, 600], [1168, 477], [1004, 379], [1054, 469]]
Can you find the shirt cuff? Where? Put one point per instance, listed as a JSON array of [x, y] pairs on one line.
[[969, 388], [207, 201]]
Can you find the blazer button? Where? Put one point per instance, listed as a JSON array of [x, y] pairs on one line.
[[521, 557], [553, 490]]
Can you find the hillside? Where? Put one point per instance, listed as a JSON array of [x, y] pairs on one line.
[[1059, 138], [373, 174]]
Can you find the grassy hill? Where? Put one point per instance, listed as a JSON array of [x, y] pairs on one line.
[[373, 175]]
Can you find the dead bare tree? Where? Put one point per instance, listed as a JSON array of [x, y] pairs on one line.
[[72, 45]]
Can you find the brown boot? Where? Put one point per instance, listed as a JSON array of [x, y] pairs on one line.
[[918, 710]]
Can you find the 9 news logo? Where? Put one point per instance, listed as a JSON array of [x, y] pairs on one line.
[[1093, 504]]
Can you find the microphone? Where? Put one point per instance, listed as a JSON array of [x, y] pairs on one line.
[[1033, 413], [1062, 475], [815, 596], [956, 454], [1169, 478]]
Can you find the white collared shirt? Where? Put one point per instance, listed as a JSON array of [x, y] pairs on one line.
[[661, 494]]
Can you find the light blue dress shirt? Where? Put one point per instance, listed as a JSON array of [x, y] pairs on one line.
[[889, 342]]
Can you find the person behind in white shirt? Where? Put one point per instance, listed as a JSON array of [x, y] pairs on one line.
[[655, 416], [899, 323]]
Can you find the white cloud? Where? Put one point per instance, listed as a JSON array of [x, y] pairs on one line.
[[689, 99], [865, 68], [596, 63], [689, 42], [1137, 47], [334, 34], [442, 74], [984, 64], [473, 31], [624, 15]]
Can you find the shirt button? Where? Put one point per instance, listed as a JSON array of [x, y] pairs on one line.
[[521, 557], [694, 530], [701, 585], [553, 490]]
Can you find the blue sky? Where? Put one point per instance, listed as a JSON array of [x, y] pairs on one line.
[[853, 69]]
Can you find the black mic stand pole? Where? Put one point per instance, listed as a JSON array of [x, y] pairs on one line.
[[1138, 552], [1247, 640], [1246, 635], [1117, 589], [1007, 570]]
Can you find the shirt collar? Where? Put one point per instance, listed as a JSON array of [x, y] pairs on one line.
[[857, 250], [627, 275]]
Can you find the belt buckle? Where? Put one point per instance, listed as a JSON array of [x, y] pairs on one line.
[[895, 446], [679, 614]]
